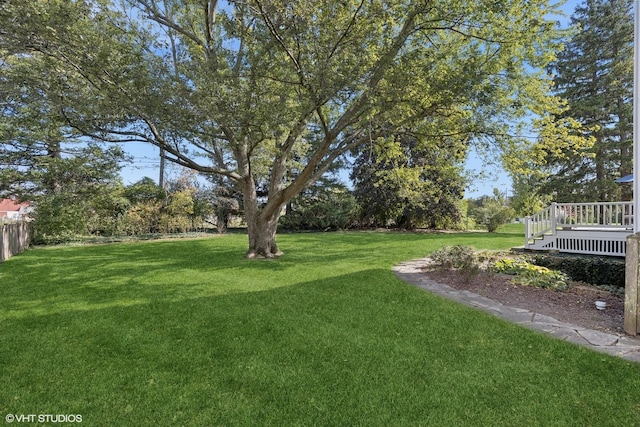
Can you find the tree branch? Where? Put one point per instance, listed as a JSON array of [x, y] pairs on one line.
[[210, 19], [274, 32], [154, 14], [346, 31]]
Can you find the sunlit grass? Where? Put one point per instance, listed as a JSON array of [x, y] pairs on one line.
[[190, 333]]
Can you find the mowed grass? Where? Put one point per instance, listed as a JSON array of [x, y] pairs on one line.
[[190, 333]]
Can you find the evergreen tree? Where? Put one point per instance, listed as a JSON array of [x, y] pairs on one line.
[[72, 182], [77, 195], [595, 75]]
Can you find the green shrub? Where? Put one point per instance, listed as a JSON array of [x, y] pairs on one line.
[[470, 262], [328, 210], [59, 218], [589, 269], [542, 277], [463, 258], [454, 257], [493, 214]]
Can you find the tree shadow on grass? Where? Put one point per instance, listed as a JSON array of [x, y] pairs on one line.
[[94, 276], [359, 348], [40, 280]]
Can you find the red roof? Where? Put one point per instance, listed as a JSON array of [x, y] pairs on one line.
[[9, 205]]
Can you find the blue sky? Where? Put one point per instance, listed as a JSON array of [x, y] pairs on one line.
[[486, 176], [496, 177], [146, 162]]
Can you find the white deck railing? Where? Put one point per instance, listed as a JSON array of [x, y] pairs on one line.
[[598, 215], [601, 222], [603, 215]]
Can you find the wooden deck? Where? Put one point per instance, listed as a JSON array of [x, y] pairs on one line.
[[581, 228]]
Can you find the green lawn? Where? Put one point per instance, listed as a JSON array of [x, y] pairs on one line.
[[189, 333]]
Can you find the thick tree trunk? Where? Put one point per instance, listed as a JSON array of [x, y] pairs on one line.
[[262, 223], [221, 221], [262, 237]]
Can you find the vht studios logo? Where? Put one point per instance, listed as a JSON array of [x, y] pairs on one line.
[[43, 418]]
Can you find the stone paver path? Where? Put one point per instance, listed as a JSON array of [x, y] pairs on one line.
[[617, 345]]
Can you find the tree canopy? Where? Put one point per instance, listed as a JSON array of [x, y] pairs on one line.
[[250, 90], [594, 73]]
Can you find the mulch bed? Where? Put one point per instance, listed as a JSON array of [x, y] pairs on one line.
[[576, 305]]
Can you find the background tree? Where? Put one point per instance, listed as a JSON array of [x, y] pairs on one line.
[[225, 200], [491, 211], [146, 199], [72, 182], [185, 207], [526, 200], [403, 182], [144, 190], [326, 205], [181, 206], [254, 85], [594, 74]]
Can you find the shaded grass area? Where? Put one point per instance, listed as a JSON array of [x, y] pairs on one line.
[[190, 333]]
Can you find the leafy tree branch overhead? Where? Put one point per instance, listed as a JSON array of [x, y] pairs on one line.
[[581, 151], [244, 88]]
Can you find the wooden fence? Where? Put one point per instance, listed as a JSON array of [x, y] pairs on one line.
[[14, 239]]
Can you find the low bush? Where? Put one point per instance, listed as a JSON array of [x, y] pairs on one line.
[[528, 274], [594, 270], [459, 256], [510, 266], [463, 258], [493, 214], [470, 262]]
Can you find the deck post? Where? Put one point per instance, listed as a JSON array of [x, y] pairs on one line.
[[632, 286]]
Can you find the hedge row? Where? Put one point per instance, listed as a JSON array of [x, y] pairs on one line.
[[590, 269]]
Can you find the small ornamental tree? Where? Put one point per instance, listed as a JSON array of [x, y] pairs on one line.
[[493, 212]]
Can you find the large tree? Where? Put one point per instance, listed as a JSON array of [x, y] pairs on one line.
[[594, 73], [243, 89]]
